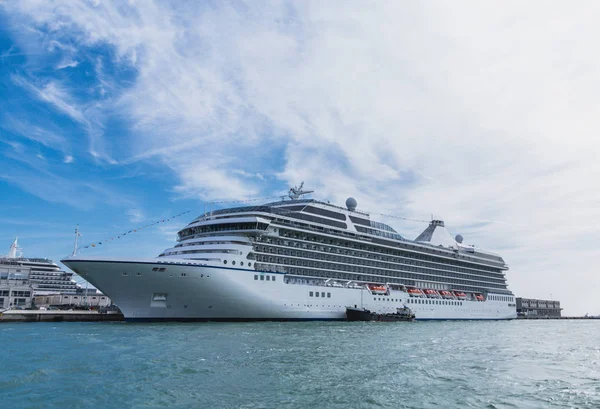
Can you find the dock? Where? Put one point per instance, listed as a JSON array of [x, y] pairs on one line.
[[58, 316], [533, 317]]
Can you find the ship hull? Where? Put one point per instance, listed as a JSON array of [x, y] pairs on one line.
[[185, 291]]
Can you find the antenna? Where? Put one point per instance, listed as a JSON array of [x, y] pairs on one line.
[[77, 235], [296, 192]]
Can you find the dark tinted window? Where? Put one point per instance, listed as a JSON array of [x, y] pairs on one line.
[[326, 213], [316, 219], [357, 220]]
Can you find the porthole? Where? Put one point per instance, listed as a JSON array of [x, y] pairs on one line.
[[249, 264], [241, 263], [224, 261], [233, 263]]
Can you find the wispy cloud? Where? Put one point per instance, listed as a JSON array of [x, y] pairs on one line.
[[86, 114], [77, 193], [135, 215], [67, 64], [45, 135], [55, 95], [246, 174]]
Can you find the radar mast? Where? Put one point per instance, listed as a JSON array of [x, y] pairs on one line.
[[296, 192]]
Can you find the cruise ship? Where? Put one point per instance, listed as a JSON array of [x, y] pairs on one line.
[[43, 274], [303, 259]]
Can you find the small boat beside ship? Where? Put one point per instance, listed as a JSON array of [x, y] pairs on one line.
[[363, 314]]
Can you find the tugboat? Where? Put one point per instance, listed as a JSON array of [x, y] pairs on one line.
[[362, 314]]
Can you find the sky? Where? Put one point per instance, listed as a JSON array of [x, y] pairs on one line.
[[118, 114]]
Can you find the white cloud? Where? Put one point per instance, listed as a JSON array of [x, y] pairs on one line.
[[89, 116], [473, 111], [246, 174], [68, 159], [55, 95], [67, 64], [135, 215], [77, 193]]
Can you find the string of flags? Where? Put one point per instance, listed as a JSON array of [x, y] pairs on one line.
[[136, 230], [400, 217], [243, 200], [99, 243]]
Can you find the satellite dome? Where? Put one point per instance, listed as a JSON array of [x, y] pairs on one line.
[[458, 238], [351, 204]]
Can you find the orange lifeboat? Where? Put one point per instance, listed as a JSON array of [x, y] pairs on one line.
[[460, 295], [479, 297], [415, 292], [431, 293], [377, 289], [446, 294]]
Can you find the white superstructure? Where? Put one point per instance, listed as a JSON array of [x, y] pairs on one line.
[[300, 259], [43, 274]]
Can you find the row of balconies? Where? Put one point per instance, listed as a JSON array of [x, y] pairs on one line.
[[358, 265]]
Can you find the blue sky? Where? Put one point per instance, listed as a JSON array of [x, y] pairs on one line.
[[115, 114]]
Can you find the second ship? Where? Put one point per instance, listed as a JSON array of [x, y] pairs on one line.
[[302, 259]]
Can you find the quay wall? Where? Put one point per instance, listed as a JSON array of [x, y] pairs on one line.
[[58, 316]]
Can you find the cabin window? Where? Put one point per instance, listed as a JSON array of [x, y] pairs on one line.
[[273, 278], [316, 294], [262, 278], [256, 276], [328, 295], [310, 294], [323, 295], [268, 278]]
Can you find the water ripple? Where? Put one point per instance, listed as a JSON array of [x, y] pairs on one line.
[[496, 365]]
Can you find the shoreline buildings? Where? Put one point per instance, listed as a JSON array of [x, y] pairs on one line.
[[26, 282], [529, 307]]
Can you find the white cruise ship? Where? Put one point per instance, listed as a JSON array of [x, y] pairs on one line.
[[301, 259], [44, 275]]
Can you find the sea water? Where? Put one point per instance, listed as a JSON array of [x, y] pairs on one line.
[[452, 364]]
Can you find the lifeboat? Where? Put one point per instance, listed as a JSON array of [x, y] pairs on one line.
[[415, 292], [431, 293], [479, 297], [377, 289], [446, 294], [460, 295]]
